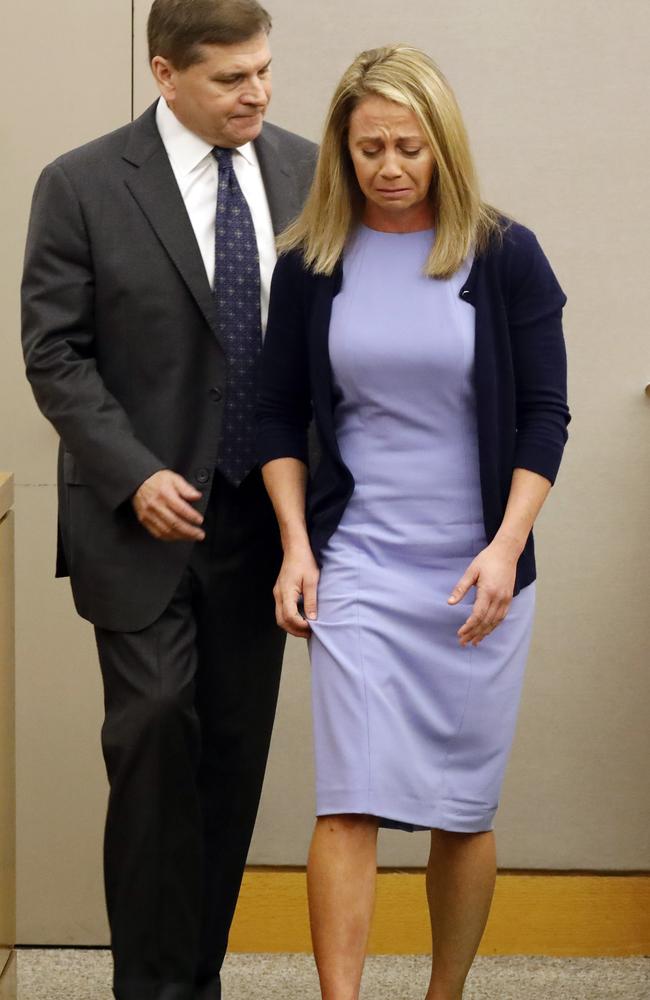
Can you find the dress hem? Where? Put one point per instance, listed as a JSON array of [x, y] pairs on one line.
[[405, 816]]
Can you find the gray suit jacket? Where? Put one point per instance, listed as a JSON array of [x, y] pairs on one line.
[[123, 354]]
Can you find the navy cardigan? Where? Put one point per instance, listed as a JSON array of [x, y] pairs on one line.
[[520, 379]]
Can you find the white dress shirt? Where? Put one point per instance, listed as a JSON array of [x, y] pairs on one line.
[[197, 175]]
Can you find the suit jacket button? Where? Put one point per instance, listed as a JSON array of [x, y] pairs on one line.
[[202, 475], [216, 394]]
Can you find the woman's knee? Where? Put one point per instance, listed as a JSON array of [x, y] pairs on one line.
[[348, 824]]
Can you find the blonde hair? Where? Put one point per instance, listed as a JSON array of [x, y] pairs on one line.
[[406, 75]]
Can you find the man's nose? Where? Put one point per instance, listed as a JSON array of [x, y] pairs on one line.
[[255, 92]]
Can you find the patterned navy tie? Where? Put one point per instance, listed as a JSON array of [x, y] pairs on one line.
[[237, 299]]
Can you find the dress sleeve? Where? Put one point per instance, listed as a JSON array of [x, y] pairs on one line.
[[284, 406], [536, 301]]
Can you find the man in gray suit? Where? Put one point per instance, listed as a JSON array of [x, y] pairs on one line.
[[145, 294]]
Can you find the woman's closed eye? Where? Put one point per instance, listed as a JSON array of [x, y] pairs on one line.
[[370, 153]]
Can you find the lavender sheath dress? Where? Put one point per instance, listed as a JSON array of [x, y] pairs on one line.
[[409, 726]]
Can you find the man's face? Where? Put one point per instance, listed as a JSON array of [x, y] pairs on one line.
[[223, 97]]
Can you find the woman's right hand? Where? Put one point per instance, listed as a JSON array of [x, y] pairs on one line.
[[298, 579]]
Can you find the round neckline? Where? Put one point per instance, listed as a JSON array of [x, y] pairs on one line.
[[384, 232]]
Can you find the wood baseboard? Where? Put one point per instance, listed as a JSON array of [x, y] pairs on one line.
[[8, 978], [537, 913]]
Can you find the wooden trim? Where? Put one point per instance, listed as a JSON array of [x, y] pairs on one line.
[[8, 978], [6, 492], [532, 914], [7, 726]]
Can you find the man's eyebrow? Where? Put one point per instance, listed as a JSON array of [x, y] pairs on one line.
[[228, 74]]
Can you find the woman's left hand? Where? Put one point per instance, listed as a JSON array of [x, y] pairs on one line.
[[493, 575]]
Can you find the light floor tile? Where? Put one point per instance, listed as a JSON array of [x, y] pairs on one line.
[[68, 974]]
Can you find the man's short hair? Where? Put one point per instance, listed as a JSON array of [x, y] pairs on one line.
[[177, 28]]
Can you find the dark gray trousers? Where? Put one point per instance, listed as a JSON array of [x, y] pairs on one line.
[[189, 703]]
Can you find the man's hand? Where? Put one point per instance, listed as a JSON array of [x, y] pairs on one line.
[[162, 506]]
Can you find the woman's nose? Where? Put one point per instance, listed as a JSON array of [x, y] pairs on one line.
[[391, 166]]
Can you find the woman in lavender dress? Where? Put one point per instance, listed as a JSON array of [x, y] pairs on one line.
[[423, 330]]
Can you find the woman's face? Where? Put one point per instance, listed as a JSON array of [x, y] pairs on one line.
[[393, 163]]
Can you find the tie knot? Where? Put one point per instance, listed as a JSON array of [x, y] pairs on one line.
[[222, 155]]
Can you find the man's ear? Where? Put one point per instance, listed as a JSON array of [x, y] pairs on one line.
[[165, 76]]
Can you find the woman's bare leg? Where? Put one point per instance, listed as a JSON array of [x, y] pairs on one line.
[[460, 883], [341, 876]]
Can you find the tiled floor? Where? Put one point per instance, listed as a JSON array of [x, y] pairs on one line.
[[85, 975]]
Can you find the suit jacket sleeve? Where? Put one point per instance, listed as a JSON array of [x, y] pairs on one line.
[[58, 345], [535, 308], [284, 409]]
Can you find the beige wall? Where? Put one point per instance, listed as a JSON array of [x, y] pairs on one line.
[[75, 85], [555, 98]]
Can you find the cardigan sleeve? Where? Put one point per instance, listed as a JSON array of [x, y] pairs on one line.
[[284, 402], [535, 308]]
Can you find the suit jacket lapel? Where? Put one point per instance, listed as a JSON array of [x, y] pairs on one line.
[[154, 188], [279, 182]]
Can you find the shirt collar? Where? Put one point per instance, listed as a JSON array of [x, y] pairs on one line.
[[184, 148]]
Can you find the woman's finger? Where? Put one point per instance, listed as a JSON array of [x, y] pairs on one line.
[[477, 616], [490, 608], [478, 625], [497, 612], [292, 621], [492, 621], [300, 631], [467, 580], [505, 607], [309, 593], [491, 617]]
